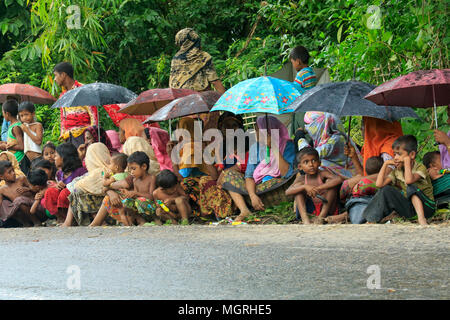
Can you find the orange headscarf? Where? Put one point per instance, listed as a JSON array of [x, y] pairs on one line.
[[378, 137], [132, 128]]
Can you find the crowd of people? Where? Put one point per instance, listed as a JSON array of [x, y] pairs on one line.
[[95, 177]]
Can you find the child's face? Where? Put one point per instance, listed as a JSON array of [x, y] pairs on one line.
[[47, 171], [310, 164], [136, 170], [58, 160], [9, 175], [26, 116], [297, 64], [436, 163], [36, 189], [3, 157], [400, 154], [114, 167], [88, 138], [50, 154]]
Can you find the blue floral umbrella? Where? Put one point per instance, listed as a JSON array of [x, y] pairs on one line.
[[263, 94]]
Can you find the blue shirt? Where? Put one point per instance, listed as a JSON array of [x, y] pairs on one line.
[[305, 80], [5, 126]]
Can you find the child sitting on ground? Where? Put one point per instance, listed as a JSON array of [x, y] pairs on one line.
[[316, 191], [140, 199], [14, 143], [32, 131], [171, 199], [357, 192], [16, 198], [49, 168], [38, 181], [439, 178], [407, 190]]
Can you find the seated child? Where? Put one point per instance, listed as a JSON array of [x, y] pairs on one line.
[[140, 199], [357, 192], [316, 191], [407, 190], [49, 168], [38, 181], [14, 143], [49, 152], [439, 178], [16, 198], [172, 202], [32, 131], [117, 170]]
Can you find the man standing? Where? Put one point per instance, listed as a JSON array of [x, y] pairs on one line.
[[74, 120]]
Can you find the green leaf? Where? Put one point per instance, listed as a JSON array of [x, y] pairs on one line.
[[339, 33]]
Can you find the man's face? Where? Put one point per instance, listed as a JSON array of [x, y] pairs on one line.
[[59, 77], [309, 164]]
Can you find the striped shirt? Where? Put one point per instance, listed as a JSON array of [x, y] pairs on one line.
[[305, 79]]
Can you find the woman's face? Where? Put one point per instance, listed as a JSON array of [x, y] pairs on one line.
[[122, 136], [58, 161], [88, 138], [49, 154]]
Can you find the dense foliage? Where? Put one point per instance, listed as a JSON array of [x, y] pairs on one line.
[[131, 43]]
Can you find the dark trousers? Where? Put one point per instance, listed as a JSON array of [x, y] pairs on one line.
[[390, 199]]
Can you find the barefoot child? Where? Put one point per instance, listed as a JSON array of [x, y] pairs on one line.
[[38, 181], [170, 195], [117, 170], [357, 192], [32, 131], [16, 198], [407, 190], [140, 199], [315, 192]]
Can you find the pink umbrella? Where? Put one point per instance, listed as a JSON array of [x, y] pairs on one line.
[[420, 89], [26, 92]]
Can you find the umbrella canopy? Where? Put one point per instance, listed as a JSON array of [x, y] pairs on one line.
[[26, 92], [262, 94], [420, 89], [346, 99], [151, 100], [192, 104], [95, 94]]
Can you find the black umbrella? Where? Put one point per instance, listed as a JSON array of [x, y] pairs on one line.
[[95, 94], [347, 99]]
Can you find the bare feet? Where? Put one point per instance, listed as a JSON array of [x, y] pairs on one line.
[[318, 220], [242, 216], [422, 221], [339, 218]]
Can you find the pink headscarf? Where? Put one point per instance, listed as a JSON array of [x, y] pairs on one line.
[[272, 168], [114, 138], [159, 139]]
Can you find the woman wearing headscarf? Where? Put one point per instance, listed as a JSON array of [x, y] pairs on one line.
[[199, 179], [262, 174], [192, 68], [87, 196], [91, 136], [329, 139]]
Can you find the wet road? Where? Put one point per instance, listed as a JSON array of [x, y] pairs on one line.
[[226, 262]]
